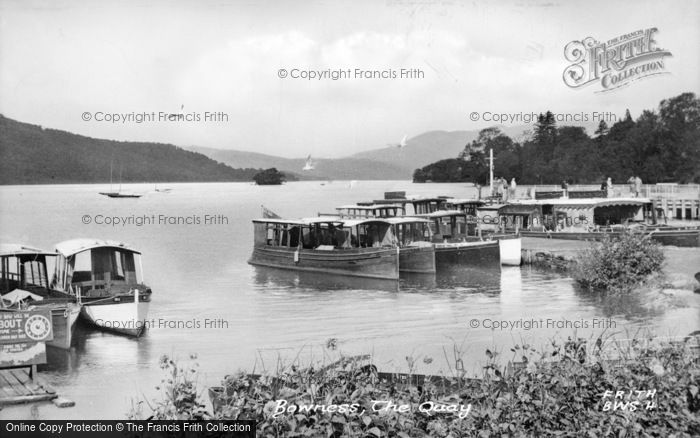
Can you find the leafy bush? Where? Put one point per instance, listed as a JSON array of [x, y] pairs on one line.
[[618, 263], [179, 397], [559, 391]]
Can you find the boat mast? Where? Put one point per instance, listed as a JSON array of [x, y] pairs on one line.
[[491, 170]]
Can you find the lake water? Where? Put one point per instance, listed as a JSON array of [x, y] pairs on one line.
[[198, 272]]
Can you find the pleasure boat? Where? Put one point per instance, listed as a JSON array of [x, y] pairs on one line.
[[355, 247], [24, 284], [106, 277]]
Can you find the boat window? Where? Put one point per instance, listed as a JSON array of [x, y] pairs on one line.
[[34, 273], [10, 274], [118, 267], [81, 267], [294, 234], [260, 233], [375, 235]]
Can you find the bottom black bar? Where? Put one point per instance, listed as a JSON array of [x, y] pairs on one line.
[[127, 428]]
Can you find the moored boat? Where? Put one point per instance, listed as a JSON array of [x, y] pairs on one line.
[[354, 247], [416, 250], [472, 225], [24, 283], [106, 277], [453, 245]]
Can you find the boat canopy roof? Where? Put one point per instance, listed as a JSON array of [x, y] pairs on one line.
[[415, 199], [406, 220], [441, 213], [465, 201], [17, 249], [75, 246], [585, 202], [323, 220], [369, 207]]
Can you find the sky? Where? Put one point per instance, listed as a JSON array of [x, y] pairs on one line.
[[61, 60]]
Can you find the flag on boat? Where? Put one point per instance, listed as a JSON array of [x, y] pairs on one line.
[[269, 214]]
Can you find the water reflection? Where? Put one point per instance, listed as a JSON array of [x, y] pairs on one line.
[[635, 305], [483, 279], [91, 345], [461, 278]]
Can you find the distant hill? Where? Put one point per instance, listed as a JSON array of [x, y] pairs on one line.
[[388, 162], [422, 149], [30, 154], [325, 168]]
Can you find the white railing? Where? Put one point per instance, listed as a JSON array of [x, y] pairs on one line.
[[678, 191]]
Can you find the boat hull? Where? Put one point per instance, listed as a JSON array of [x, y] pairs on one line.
[[127, 318], [510, 250], [356, 262], [417, 259], [467, 253], [684, 238], [63, 324]]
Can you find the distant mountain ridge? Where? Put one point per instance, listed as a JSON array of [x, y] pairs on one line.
[[30, 154], [385, 163]]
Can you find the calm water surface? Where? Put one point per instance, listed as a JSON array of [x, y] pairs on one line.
[[199, 272]]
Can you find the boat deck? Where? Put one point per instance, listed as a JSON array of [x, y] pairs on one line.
[[19, 385]]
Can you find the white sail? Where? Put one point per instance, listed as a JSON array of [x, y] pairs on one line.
[[309, 164]]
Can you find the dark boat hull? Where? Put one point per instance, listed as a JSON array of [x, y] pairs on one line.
[[356, 262], [63, 325], [63, 319], [417, 260], [684, 238], [470, 253]]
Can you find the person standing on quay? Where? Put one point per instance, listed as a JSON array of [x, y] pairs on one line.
[[609, 187], [565, 188], [637, 186], [513, 187]]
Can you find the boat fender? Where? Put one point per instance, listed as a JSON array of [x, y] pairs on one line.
[[296, 256]]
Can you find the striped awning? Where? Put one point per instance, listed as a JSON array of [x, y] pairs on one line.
[[518, 209]]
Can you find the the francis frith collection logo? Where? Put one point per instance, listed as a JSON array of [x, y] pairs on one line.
[[614, 63]]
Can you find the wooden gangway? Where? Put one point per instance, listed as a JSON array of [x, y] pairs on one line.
[[22, 385]]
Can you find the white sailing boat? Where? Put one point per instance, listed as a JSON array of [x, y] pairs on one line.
[[310, 165]]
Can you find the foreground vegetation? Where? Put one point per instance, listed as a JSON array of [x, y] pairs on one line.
[[567, 389], [619, 263]]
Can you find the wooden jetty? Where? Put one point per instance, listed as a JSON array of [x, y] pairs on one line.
[[22, 385]]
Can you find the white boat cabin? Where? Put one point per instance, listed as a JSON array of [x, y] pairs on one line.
[[98, 268], [23, 267]]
